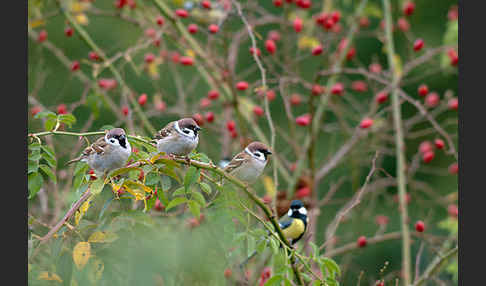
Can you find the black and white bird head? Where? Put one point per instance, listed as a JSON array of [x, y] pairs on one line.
[[258, 150], [187, 127], [297, 210], [117, 138]]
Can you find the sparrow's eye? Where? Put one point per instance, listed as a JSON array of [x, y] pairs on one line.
[[112, 141]]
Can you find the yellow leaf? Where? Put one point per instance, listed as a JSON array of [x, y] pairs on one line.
[[155, 158], [398, 65], [44, 275], [81, 211], [269, 185], [81, 254], [306, 42], [82, 19], [97, 270], [101, 236], [190, 53], [79, 7], [37, 23], [152, 70]]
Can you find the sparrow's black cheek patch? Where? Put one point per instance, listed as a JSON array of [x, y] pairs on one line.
[[123, 143]]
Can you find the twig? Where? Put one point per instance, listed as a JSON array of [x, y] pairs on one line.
[[435, 265], [353, 245]]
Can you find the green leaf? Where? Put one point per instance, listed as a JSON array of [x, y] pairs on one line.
[[165, 183], [32, 166], [44, 114], [97, 186], [199, 198], [194, 208], [50, 124], [163, 199], [274, 280], [105, 206], [251, 244], [34, 155], [274, 245], [48, 172], [120, 171], [35, 146], [151, 202], [51, 161], [107, 127], [81, 168], [169, 171], [67, 119], [191, 177], [35, 182], [261, 246], [179, 192], [152, 179], [331, 266], [175, 202], [205, 188], [373, 10]]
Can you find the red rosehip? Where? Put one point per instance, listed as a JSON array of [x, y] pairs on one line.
[[366, 123], [156, 42], [304, 4], [359, 86], [150, 32], [42, 36], [381, 97], [303, 192], [209, 116], [375, 68], [277, 3], [213, 94], [439, 143], [266, 273], [68, 31], [132, 4], [361, 241], [423, 90], [93, 56], [75, 66], [186, 61], [198, 118], [182, 13], [252, 51], [420, 226], [242, 85], [230, 125], [432, 99], [453, 13], [227, 273], [317, 89], [160, 106], [34, 110], [418, 45], [364, 22], [149, 58], [270, 46], [193, 222], [351, 53], [158, 205], [407, 198], [453, 168], [62, 108], [336, 28], [337, 88], [233, 134], [125, 110], [107, 83], [159, 20], [258, 111], [453, 103], [92, 176], [317, 50], [381, 220], [297, 24], [453, 210], [274, 36], [336, 16], [270, 95], [408, 8], [205, 102], [213, 29], [428, 156], [192, 28], [321, 18], [142, 99], [403, 24], [453, 57], [295, 99], [425, 147], [329, 23], [206, 4], [175, 57], [303, 120]]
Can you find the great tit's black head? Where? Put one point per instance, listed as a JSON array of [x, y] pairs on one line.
[[116, 136], [297, 209], [188, 126], [258, 150]]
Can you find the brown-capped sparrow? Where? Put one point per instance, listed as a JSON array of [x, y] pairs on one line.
[[249, 163], [178, 137]]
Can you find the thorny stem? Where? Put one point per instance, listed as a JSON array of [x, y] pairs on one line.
[[399, 145]]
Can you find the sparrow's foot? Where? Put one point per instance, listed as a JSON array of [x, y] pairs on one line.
[[188, 160]]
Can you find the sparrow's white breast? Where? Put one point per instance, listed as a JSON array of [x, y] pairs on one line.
[[249, 170]]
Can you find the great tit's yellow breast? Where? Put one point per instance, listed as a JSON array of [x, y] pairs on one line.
[[295, 229]]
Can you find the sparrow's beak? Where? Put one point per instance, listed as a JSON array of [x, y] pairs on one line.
[[197, 128], [268, 152]]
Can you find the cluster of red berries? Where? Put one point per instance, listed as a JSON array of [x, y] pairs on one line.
[[426, 148], [122, 3], [329, 21]]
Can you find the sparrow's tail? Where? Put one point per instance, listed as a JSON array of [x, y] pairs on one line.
[[74, 160]]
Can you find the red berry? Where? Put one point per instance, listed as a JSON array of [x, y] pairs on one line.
[[267, 199], [94, 56], [418, 45], [192, 28], [295, 99], [304, 4], [364, 22], [132, 4], [227, 273], [423, 90], [150, 32], [61, 109], [317, 89], [337, 28], [213, 28], [42, 36], [142, 99], [453, 103], [453, 168], [336, 16], [34, 110], [68, 31], [420, 226], [453, 13], [380, 283], [381, 220], [141, 175], [234, 134], [206, 4], [381, 97], [205, 102], [158, 205], [329, 23], [321, 18], [277, 3], [266, 273], [92, 176], [351, 53], [159, 20], [74, 66], [182, 13], [428, 156], [186, 61], [425, 147], [274, 36], [303, 120], [252, 51], [270, 46], [366, 123], [149, 58], [198, 118], [317, 50], [193, 222], [242, 85], [362, 241], [439, 143], [337, 88], [297, 24], [175, 57], [453, 210], [209, 116], [432, 99], [270, 95], [125, 110], [453, 56], [230, 125], [375, 68], [359, 86], [156, 42], [303, 192], [160, 106], [258, 111], [408, 8], [213, 94], [107, 83], [403, 24], [407, 198]]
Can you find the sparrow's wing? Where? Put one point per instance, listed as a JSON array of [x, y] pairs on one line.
[[99, 146], [165, 132], [236, 162]]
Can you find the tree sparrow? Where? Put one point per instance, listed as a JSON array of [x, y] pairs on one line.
[[107, 153], [249, 163], [178, 137]]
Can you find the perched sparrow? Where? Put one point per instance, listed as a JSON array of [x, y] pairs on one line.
[[249, 163], [295, 226], [107, 153], [178, 137]]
